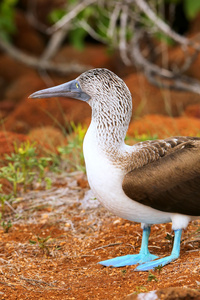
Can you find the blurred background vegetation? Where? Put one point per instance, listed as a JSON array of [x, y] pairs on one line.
[[177, 13], [132, 27], [159, 39]]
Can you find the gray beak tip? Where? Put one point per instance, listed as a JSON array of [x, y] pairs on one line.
[[69, 89], [32, 96], [36, 95]]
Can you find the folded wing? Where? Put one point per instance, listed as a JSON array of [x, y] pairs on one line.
[[169, 184]]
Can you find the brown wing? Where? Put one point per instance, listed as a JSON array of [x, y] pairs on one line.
[[170, 184]]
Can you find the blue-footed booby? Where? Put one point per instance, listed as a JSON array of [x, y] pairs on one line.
[[151, 182]]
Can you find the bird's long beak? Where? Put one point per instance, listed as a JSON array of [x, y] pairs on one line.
[[69, 89]]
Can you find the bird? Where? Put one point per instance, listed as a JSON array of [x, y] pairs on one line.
[[151, 182]]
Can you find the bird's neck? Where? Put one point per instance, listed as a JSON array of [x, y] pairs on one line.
[[110, 129]]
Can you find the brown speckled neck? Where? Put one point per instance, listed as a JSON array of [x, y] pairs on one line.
[[111, 104]]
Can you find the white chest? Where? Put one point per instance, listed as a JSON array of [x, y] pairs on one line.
[[105, 180]]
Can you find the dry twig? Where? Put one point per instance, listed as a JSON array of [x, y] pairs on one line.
[[161, 77], [71, 15], [41, 64], [109, 245], [123, 17]]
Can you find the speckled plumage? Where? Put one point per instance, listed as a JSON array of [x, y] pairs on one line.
[[110, 96], [151, 182], [111, 105]]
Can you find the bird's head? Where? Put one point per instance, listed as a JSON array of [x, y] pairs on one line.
[[109, 98], [97, 87]]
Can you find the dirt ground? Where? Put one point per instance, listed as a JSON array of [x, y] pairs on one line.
[[80, 233], [58, 236]]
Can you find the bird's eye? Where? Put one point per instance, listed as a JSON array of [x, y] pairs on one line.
[[77, 85]]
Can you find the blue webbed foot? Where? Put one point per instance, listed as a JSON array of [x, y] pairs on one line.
[[165, 260], [128, 260], [153, 264], [133, 259]]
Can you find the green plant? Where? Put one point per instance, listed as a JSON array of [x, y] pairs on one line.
[[13, 174], [42, 244], [24, 166], [55, 162], [94, 19], [7, 25], [170, 238], [158, 268], [151, 277], [123, 272], [42, 164], [72, 153], [6, 225], [23, 161], [97, 20], [48, 182], [3, 199], [77, 33], [191, 8]]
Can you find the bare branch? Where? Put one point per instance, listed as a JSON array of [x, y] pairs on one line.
[[36, 63], [189, 59], [121, 16], [92, 32], [31, 16], [113, 20], [141, 61], [122, 35], [71, 15], [145, 8], [161, 77], [54, 44], [179, 84], [56, 39]]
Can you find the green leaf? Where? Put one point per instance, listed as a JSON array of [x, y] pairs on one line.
[[48, 183], [72, 1], [7, 25], [77, 37], [32, 242], [56, 15], [192, 8], [163, 37], [151, 277]]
